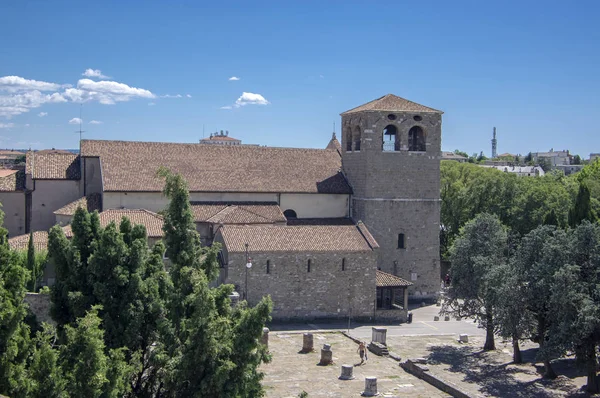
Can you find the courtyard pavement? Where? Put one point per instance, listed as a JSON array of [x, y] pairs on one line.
[[422, 325]]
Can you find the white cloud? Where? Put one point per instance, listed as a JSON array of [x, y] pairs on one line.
[[151, 103], [75, 120], [226, 107], [27, 125], [171, 96], [19, 95], [6, 125], [94, 73], [188, 95], [234, 78], [14, 84], [96, 122], [322, 77], [250, 99]]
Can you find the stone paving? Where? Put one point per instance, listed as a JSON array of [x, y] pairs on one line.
[[290, 373]]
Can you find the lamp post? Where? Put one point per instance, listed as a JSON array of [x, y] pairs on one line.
[[248, 266]]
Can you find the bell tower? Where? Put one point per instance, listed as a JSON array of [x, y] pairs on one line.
[[391, 150]]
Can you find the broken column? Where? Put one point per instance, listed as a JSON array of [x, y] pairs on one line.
[[326, 355], [463, 338], [307, 343], [347, 372], [370, 387], [264, 339]]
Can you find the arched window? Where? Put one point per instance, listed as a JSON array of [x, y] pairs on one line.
[[356, 138], [348, 139], [391, 140], [289, 213], [416, 139]]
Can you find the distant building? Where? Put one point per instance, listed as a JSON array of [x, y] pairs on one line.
[[454, 156], [494, 145], [594, 156], [521, 171], [554, 158], [568, 169], [220, 138], [9, 156]]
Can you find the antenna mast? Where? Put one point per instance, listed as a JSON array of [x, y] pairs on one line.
[[80, 132]]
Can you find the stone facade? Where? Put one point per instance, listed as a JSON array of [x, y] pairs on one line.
[[397, 192], [324, 292]]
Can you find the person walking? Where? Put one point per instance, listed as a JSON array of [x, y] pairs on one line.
[[362, 351]]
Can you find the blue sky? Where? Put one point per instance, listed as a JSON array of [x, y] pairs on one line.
[[530, 68]]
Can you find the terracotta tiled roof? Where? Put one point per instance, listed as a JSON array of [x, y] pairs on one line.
[[12, 180], [152, 221], [285, 238], [21, 242], [367, 235], [132, 166], [90, 202], [53, 166], [392, 103], [388, 280], [237, 212], [8, 152], [320, 221], [334, 144]]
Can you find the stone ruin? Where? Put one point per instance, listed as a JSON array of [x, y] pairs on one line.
[[378, 344], [326, 355]]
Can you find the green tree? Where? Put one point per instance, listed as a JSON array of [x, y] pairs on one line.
[[213, 347], [541, 253], [479, 248], [14, 332], [576, 301], [576, 159], [46, 375], [481, 157], [582, 208]]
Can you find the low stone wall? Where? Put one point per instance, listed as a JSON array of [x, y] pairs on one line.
[[422, 372], [40, 306], [391, 315]]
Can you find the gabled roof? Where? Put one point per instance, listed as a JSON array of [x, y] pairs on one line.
[[383, 279], [392, 103], [52, 166], [152, 221], [237, 212], [90, 202], [21, 242], [286, 238], [12, 180], [131, 166]]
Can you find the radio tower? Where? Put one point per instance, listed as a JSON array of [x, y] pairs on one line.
[[494, 145]]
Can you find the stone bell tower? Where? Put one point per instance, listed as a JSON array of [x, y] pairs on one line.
[[391, 150]]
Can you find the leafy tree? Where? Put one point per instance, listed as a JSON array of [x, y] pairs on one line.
[[582, 209], [213, 347], [545, 164], [481, 157], [511, 316], [576, 301], [35, 263], [576, 159], [46, 375], [479, 248], [461, 153], [541, 253], [14, 332]]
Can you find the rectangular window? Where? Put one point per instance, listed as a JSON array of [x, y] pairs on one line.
[[220, 259], [401, 241], [343, 264], [268, 266], [308, 266]]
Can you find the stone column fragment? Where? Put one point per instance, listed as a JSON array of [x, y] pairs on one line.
[[307, 343], [347, 372], [326, 355], [370, 387]]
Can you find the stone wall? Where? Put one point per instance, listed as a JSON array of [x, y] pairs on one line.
[[397, 192], [13, 206], [40, 306], [324, 292], [49, 196]]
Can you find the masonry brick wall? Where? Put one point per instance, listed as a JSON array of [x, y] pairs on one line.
[[398, 192], [326, 291]]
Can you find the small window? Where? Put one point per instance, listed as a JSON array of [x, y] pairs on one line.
[[391, 116], [417, 118], [268, 266], [308, 265], [343, 264], [220, 259], [401, 241], [289, 213]]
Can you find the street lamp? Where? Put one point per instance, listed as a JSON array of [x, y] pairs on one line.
[[248, 266]]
